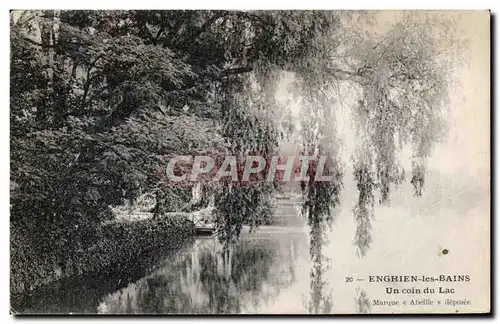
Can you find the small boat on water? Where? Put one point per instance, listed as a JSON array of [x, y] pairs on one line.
[[205, 231], [203, 222]]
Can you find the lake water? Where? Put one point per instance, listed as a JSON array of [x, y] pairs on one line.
[[199, 278], [272, 271]]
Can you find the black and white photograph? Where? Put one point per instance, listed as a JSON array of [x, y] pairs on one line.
[[195, 162]]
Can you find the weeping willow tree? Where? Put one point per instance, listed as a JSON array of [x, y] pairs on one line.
[[404, 78], [319, 142], [251, 131], [398, 84], [249, 107]]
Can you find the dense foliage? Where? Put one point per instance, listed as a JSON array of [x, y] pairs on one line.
[[100, 100]]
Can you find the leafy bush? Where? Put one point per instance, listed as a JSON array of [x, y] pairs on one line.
[[109, 246]]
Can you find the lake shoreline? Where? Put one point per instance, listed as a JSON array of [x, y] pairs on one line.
[[128, 249]]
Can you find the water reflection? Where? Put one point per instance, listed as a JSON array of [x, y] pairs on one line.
[[320, 200], [206, 279], [363, 305], [320, 295]]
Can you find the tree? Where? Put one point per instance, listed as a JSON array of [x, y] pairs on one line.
[[400, 81], [101, 99], [405, 78]]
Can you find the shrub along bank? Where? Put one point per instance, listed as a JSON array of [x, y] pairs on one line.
[[112, 246]]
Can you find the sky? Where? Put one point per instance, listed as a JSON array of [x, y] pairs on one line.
[[467, 146]]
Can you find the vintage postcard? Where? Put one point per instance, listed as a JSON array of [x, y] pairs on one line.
[[249, 162]]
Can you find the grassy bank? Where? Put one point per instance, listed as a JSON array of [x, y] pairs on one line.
[[112, 246]]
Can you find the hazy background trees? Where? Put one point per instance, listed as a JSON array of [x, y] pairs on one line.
[[101, 99]]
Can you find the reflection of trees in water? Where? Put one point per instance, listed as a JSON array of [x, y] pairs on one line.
[[208, 282], [363, 305], [320, 300], [320, 200]]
